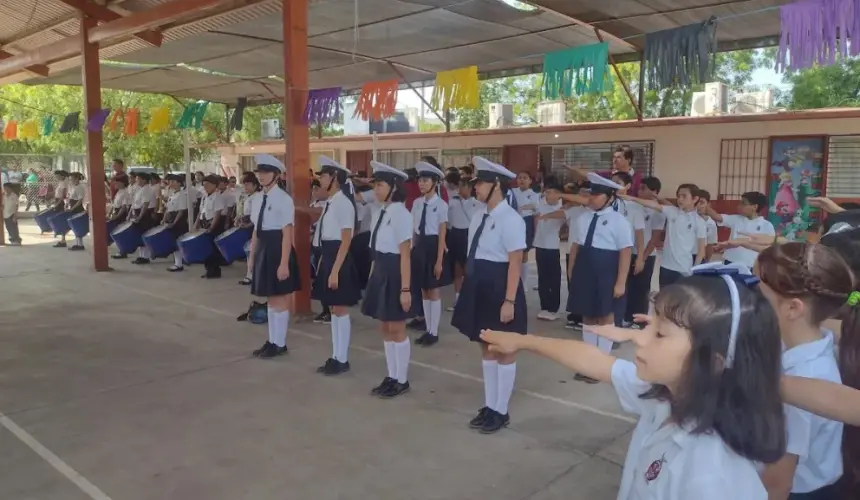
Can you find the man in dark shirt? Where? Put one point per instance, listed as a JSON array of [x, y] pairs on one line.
[[118, 168]]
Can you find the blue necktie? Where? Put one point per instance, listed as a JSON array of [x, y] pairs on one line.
[[375, 232], [473, 248], [259, 227], [591, 227], [422, 225]]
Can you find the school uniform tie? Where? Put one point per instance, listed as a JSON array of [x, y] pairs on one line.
[[422, 224], [591, 227], [320, 224], [259, 228], [376, 232], [473, 248]]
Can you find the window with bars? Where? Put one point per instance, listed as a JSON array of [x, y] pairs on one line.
[[843, 167], [597, 156], [462, 157], [743, 167], [405, 158]]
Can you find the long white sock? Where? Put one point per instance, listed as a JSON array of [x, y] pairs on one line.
[[435, 317], [140, 252], [523, 270], [334, 336], [343, 333], [588, 336], [428, 313], [79, 242], [507, 377], [390, 359], [145, 252], [279, 337], [403, 350], [604, 344], [272, 316], [177, 258], [456, 298], [250, 272], [491, 383]]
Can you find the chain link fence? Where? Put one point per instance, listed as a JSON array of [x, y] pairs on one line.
[[37, 175]]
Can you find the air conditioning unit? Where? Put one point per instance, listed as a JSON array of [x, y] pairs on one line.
[[501, 115], [271, 129], [716, 98], [551, 113], [698, 105], [753, 102]]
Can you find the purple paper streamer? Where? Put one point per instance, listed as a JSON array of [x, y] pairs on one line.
[[97, 121], [323, 106], [817, 32]]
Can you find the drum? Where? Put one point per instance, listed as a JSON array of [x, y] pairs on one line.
[[127, 238], [42, 219], [232, 242], [196, 247], [160, 241], [111, 225], [60, 222], [247, 249], [80, 224]]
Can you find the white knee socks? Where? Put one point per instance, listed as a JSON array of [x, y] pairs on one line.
[[433, 316], [402, 351], [79, 242], [390, 358], [143, 252], [507, 377], [177, 260], [491, 383], [278, 328], [340, 327]]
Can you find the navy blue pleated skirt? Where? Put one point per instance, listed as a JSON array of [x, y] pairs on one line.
[[481, 298], [382, 295], [457, 241], [348, 292], [530, 231], [592, 282], [267, 259], [424, 253], [360, 250]]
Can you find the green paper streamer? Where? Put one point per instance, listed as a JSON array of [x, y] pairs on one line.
[[47, 125], [199, 113], [192, 116], [578, 70]]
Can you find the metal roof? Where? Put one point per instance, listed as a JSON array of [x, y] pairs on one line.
[[238, 53]]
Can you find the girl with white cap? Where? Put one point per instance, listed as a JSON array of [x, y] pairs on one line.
[[176, 215]]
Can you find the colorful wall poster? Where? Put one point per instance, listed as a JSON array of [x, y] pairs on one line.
[[796, 174]]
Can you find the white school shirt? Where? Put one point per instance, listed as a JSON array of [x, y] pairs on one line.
[[666, 462], [504, 232], [571, 215], [437, 213], [460, 211], [10, 204], [683, 232], [142, 195], [338, 214], [280, 209], [61, 190], [77, 192], [711, 232], [634, 214], [177, 201], [396, 227], [740, 224], [121, 199], [654, 221], [612, 231], [366, 203], [246, 203], [547, 230], [526, 197], [211, 205], [816, 440], [229, 200]]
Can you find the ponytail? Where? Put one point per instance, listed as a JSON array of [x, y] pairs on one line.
[[849, 369]]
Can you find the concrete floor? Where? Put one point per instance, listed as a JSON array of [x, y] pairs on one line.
[[138, 385]]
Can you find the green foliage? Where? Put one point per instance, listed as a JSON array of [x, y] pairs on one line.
[[836, 86]]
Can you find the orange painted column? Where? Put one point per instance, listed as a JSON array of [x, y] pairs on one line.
[[296, 135], [91, 77]]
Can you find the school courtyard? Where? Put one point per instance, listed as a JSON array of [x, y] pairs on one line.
[[138, 385]]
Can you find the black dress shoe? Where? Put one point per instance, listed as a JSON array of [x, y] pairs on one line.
[[394, 390], [336, 368], [376, 391], [495, 422], [480, 418], [325, 367], [420, 340], [140, 260], [257, 352], [211, 275], [417, 324], [273, 351], [429, 340], [175, 269], [119, 256], [60, 244], [323, 317]]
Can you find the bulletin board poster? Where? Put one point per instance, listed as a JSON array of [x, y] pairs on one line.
[[796, 174]]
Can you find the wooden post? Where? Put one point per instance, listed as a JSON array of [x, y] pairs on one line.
[[91, 77], [296, 135]]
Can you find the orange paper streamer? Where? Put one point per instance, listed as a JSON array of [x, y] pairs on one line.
[[114, 120], [11, 131], [130, 122], [377, 100]]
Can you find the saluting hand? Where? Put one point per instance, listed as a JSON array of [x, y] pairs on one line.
[[502, 342], [283, 271], [506, 315]]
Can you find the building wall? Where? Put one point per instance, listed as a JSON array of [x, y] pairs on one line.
[[686, 149]]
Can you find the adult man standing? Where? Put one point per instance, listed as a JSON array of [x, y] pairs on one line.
[[622, 161]]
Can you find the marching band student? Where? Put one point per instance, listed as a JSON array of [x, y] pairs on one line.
[[229, 198], [635, 216], [493, 295], [639, 285], [77, 195], [211, 219], [142, 213], [599, 263], [120, 205], [276, 268], [460, 211], [159, 197], [685, 233], [336, 282], [176, 215], [550, 216], [61, 191], [704, 384], [250, 189], [526, 202], [388, 297], [430, 268], [748, 222], [710, 226]]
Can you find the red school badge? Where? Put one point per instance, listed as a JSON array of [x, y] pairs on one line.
[[654, 469]]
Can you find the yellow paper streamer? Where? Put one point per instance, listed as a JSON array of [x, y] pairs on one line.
[[29, 130], [457, 89], [159, 120]]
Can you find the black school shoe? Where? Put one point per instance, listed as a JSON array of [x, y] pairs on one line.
[[175, 269], [426, 340], [323, 317], [140, 260], [495, 422], [273, 351], [211, 275], [60, 244], [257, 352], [333, 367], [394, 390], [76, 248], [119, 256], [379, 389], [480, 418], [417, 324]]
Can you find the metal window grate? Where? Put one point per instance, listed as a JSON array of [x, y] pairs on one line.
[[843, 167], [405, 158], [598, 156], [462, 157], [743, 167]]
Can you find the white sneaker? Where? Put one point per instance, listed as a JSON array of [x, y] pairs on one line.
[[450, 308], [543, 315], [551, 316]]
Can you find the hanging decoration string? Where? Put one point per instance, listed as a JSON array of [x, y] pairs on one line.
[[457, 89], [817, 32], [377, 100], [681, 56], [323, 106], [577, 70]]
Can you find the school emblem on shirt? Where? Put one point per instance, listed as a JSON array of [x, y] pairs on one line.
[[435, 209], [654, 469], [690, 226], [758, 228], [605, 222], [269, 208]]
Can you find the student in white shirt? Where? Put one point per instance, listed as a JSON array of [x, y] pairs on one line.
[[547, 242], [710, 226], [211, 220], [430, 267], [685, 234], [461, 208], [388, 297], [526, 200], [707, 395], [336, 283], [229, 199], [10, 211], [807, 284], [365, 203], [318, 201], [119, 208], [276, 268], [142, 213], [77, 195], [176, 215], [61, 192], [493, 295], [250, 189], [639, 285], [572, 211], [748, 222], [634, 213]]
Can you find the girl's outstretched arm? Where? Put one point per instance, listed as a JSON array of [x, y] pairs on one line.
[[827, 399]]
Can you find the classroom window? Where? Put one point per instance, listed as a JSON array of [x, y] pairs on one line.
[[595, 156], [843, 167], [743, 167], [405, 158]]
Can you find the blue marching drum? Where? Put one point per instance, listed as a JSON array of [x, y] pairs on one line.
[[42, 219], [160, 241], [80, 224], [196, 247], [127, 238], [232, 242], [111, 225], [60, 222]]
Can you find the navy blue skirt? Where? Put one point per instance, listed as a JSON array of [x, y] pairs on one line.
[[382, 295], [481, 298], [360, 250], [424, 253], [591, 288], [348, 291], [267, 259], [457, 241], [530, 231]]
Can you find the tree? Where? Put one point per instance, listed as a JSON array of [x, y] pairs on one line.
[[835, 86], [521, 91]]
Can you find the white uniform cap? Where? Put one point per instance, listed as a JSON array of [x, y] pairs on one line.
[[597, 180], [264, 159], [485, 165], [381, 168], [427, 169], [325, 161]]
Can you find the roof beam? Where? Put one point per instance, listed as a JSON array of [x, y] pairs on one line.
[[104, 14], [607, 35], [36, 69]]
